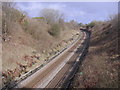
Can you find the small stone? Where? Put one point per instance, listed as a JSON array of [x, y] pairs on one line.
[[34, 52], [81, 73]]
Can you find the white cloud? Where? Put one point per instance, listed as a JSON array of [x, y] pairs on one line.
[[57, 6], [31, 6], [36, 7], [84, 12]]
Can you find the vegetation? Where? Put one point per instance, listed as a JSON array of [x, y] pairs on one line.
[[28, 42], [91, 24], [55, 19], [52, 16], [10, 16], [81, 24], [100, 67], [39, 18], [54, 30]]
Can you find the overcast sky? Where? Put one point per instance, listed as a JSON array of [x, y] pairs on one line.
[[84, 12]]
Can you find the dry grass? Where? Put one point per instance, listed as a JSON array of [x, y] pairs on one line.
[[101, 65], [98, 72], [26, 43]]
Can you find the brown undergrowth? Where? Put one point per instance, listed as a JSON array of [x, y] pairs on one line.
[[100, 68]]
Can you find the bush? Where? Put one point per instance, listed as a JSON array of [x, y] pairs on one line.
[[91, 24], [81, 24], [25, 25], [10, 16], [52, 16], [54, 30]]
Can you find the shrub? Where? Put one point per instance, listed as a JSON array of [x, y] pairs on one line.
[[81, 24], [25, 25], [52, 16], [91, 24], [10, 16], [54, 30]]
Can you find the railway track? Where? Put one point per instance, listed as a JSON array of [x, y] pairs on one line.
[[59, 71], [67, 82], [64, 78]]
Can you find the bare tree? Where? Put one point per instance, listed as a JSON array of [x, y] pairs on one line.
[[51, 15], [10, 16], [74, 24]]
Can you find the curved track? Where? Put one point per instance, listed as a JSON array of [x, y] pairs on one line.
[[54, 73]]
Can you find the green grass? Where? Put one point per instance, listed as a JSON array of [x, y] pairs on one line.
[[38, 18]]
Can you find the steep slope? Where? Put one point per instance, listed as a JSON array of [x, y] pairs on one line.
[[26, 43], [100, 68]]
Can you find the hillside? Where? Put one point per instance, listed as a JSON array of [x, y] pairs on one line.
[[100, 68], [27, 43]]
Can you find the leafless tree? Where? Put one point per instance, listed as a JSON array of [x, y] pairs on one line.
[[51, 15]]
